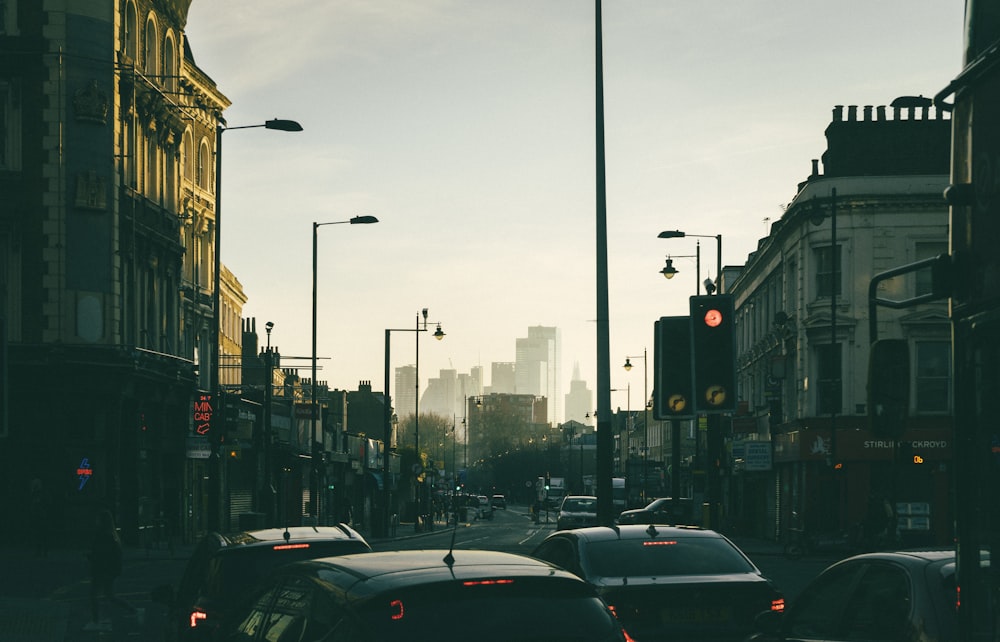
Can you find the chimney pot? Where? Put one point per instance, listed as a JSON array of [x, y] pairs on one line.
[[852, 113]]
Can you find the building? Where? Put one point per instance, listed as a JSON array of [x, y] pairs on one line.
[[106, 257], [579, 400], [805, 455], [536, 369], [502, 379]]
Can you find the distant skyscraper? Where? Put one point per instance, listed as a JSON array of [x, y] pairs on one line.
[[536, 368], [502, 380], [579, 399], [404, 398]]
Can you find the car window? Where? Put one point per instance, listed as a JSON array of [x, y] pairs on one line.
[[818, 611], [514, 609], [664, 556], [230, 572], [558, 551], [580, 505], [880, 604]]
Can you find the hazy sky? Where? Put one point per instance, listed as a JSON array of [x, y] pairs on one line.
[[467, 128]]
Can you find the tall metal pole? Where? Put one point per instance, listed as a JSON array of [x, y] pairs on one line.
[[645, 424], [314, 413], [834, 352], [605, 506], [416, 418], [386, 441], [212, 355]]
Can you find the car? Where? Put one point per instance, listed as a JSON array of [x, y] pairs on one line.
[[485, 509], [661, 511], [498, 501], [224, 566], [903, 596], [577, 511], [667, 582], [433, 594]]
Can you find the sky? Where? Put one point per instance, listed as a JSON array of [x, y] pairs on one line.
[[467, 127]]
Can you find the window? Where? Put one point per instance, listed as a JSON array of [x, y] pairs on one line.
[[150, 62], [8, 17], [828, 392], [169, 72], [131, 23], [927, 250], [10, 127], [828, 267], [201, 171], [933, 376]]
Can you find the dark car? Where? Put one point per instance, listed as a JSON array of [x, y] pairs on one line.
[[661, 511], [224, 566], [667, 583], [899, 596], [577, 511], [498, 501], [423, 595]]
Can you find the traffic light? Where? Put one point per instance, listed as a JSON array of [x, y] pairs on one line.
[[547, 480], [713, 341], [888, 387], [672, 391]]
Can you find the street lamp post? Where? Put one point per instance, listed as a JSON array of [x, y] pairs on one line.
[[315, 412], [267, 495], [645, 418], [674, 234], [212, 356], [387, 414]]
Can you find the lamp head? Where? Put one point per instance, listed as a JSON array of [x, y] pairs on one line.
[[269, 326], [669, 270], [628, 364], [362, 220], [283, 125], [671, 234], [438, 334]]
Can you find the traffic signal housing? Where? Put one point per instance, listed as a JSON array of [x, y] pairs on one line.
[[713, 341], [672, 369]]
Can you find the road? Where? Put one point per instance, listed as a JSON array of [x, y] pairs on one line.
[[46, 599]]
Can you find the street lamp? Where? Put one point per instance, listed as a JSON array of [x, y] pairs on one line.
[[675, 234], [669, 271], [387, 412], [315, 414], [214, 488], [266, 495], [645, 419]]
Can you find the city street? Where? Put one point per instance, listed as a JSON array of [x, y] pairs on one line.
[[46, 599]]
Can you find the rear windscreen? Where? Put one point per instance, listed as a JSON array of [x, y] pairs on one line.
[[665, 557], [234, 571], [515, 609]]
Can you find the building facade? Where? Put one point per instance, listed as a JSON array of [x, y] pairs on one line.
[[805, 455]]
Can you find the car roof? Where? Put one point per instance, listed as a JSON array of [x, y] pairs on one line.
[[362, 575], [272, 536], [637, 531]]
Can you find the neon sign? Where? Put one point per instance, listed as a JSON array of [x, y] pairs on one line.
[[203, 414], [83, 472]]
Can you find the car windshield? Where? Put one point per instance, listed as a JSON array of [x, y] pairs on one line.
[[580, 505], [231, 572], [664, 557], [515, 609]]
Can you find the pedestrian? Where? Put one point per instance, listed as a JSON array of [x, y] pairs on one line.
[[105, 557]]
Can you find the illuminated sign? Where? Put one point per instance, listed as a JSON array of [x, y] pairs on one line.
[[203, 414], [83, 472]]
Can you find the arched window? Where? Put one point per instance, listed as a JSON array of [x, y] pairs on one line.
[[187, 156], [150, 63], [201, 176], [169, 67], [131, 31]]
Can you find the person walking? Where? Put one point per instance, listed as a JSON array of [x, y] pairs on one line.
[[105, 557]]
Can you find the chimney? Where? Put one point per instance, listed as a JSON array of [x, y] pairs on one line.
[[852, 113], [880, 112], [838, 113], [868, 113]]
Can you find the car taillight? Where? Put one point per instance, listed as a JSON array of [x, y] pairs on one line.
[[486, 582], [288, 547], [196, 617], [778, 604]]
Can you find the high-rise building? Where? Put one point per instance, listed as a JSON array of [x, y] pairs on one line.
[[579, 399], [536, 367], [502, 379], [404, 397]]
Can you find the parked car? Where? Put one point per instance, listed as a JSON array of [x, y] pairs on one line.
[[898, 596], [498, 501], [423, 595], [667, 583], [662, 511], [224, 566], [577, 511]]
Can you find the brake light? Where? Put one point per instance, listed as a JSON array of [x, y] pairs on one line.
[[288, 547], [666, 542], [197, 616], [778, 604], [486, 582], [398, 605]]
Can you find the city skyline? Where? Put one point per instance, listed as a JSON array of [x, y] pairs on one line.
[[467, 128]]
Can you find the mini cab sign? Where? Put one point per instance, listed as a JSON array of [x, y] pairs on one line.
[[203, 414]]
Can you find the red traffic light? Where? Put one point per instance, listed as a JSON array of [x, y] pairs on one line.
[[713, 318]]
